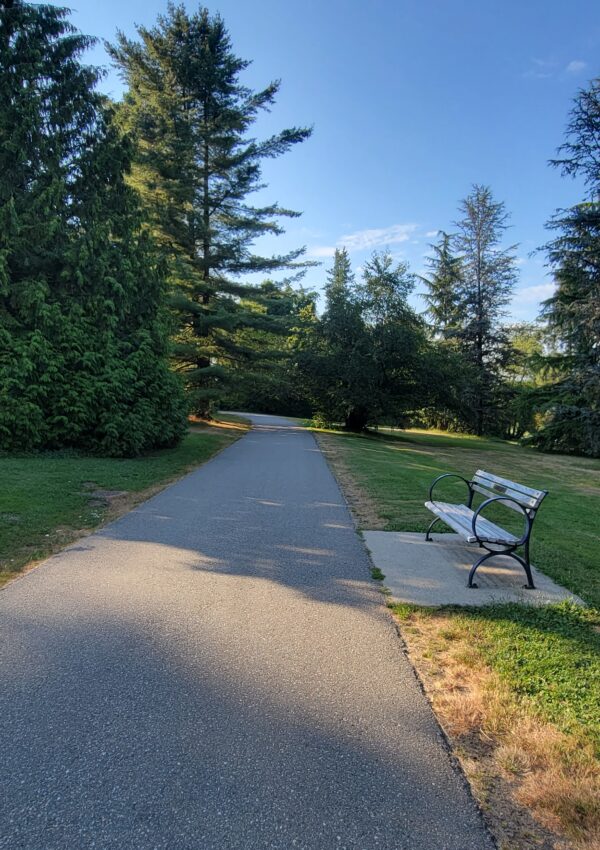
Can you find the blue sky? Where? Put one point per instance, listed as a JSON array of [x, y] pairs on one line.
[[412, 102]]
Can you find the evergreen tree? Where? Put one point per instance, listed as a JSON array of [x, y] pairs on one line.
[[269, 380], [444, 288], [340, 278], [336, 360], [370, 351], [488, 277], [397, 341], [573, 313], [196, 165], [82, 341]]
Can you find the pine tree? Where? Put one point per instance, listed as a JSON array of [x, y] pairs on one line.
[[444, 288], [338, 362], [488, 277], [573, 313], [369, 350], [340, 278], [269, 381], [82, 342], [195, 167]]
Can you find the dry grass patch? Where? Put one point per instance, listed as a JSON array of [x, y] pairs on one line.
[[519, 764], [362, 506], [220, 424]]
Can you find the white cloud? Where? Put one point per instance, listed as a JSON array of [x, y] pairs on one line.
[[431, 233], [377, 237], [363, 240], [541, 69], [575, 66], [533, 294]]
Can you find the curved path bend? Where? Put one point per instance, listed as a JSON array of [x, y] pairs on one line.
[[216, 671]]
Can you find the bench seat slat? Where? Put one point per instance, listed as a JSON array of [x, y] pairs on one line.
[[459, 517]]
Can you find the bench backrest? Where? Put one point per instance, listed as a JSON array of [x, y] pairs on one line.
[[491, 485]]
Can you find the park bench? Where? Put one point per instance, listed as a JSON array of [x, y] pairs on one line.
[[475, 528]]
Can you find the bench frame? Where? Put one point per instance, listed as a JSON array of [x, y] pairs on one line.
[[528, 507]]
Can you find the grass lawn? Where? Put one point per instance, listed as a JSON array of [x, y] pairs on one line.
[[47, 500], [516, 687], [395, 471]]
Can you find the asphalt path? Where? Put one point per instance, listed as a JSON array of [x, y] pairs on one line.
[[216, 670]]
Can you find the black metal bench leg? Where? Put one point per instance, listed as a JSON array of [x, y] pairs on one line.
[[431, 524], [524, 563], [527, 567], [478, 564]]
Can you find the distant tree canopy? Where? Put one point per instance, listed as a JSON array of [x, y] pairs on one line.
[[369, 360], [83, 341], [444, 284], [195, 166], [128, 271], [470, 281], [573, 313], [488, 275]]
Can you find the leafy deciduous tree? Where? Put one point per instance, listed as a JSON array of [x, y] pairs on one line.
[[370, 351]]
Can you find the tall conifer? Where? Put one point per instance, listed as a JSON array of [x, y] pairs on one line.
[[82, 340], [444, 288], [573, 313], [195, 168], [488, 277]]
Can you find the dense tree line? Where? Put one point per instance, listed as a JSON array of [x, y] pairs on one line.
[[83, 335], [126, 242]]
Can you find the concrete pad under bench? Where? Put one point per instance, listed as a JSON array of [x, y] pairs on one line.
[[436, 573]]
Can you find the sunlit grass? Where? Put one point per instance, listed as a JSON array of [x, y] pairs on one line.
[[46, 500], [517, 687], [396, 471]]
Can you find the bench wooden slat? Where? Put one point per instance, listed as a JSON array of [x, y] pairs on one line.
[[459, 517], [488, 493], [503, 487]]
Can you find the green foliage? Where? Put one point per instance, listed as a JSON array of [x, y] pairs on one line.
[[525, 379], [83, 344], [368, 358], [396, 471], [47, 498], [268, 379], [488, 274], [195, 166], [550, 656], [573, 313], [444, 286], [469, 284]]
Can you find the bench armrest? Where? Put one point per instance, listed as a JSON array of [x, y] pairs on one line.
[[527, 519], [451, 475]]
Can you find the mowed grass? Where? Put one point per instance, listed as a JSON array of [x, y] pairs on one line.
[[47, 500], [521, 682], [396, 471]]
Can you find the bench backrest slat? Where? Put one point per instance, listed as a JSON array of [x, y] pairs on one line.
[[492, 485]]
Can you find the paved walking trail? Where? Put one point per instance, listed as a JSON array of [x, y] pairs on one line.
[[215, 670]]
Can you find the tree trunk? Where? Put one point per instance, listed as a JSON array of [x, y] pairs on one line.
[[356, 419]]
